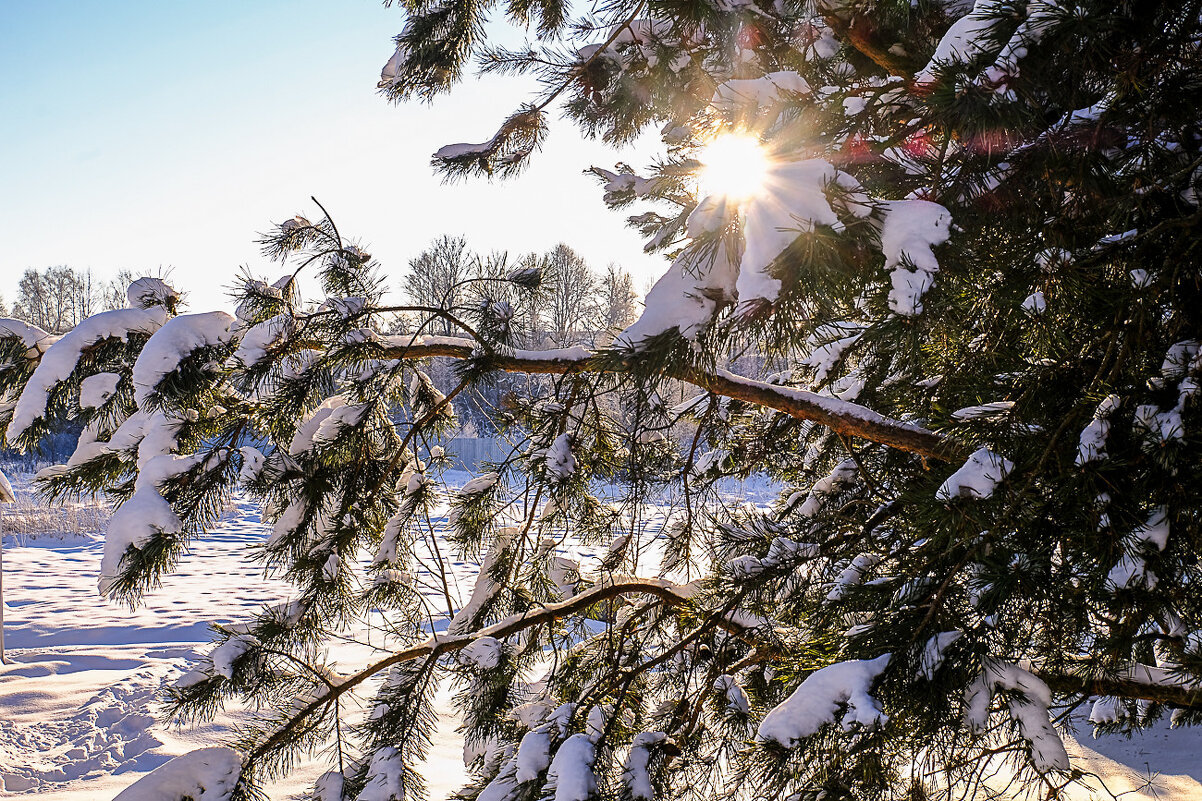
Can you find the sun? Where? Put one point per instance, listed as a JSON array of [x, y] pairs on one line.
[[734, 166]]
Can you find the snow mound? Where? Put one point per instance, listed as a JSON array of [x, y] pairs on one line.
[[207, 774]]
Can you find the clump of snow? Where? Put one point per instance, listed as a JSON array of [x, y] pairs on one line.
[[481, 483], [978, 478], [207, 774], [533, 756], [1183, 361], [570, 777], [484, 588], [484, 653], [462, 149], [686, 297], [60, 359], [843, 475], [994, 409], [1132, 570], [560, 461], [35, 340], [1035, 303], [736, 697], [256, 340], [1028, 705], [225, 655], [1155, 531], [931, 658], [618, 184], [967, 38], [325, 423], [795, 202], [287, 523], [852, 575], [390, 541], [96, 389], [6, 490], [178, 338], [911, 230], [328, 786], [635, 774], [823, 358], [564, 574], [349, 306], [148, 291], [1107, 709], [253, 461], [329, 570], [135, 524], [817, 701], [709, 274], [1092, 445], [1040, 16], [384, 774]]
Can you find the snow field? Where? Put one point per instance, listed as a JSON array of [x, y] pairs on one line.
[[79, 711]]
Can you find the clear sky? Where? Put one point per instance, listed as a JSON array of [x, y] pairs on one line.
[[157, 133]]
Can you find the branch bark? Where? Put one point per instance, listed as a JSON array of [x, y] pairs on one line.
[[1141, 682], [842, 417], [440, 645]]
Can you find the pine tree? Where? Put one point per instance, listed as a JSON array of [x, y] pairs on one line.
[[970, 272]]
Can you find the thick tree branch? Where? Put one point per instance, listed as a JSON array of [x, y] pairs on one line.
[[861, 33], [1139, 682], [440, 645], [842, 417]]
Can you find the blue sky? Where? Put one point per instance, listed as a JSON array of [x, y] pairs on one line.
[[167, 134]]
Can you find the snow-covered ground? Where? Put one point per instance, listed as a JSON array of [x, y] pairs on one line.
[[79, 717]]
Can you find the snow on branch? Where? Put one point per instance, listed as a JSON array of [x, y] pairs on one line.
[[1029, 700], [208, 773], [61, 359], [840, 416], [818, 699]]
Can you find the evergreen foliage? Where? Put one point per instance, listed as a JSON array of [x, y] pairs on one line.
[[971, 284]]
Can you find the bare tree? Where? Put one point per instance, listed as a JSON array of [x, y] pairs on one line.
[[113, 294], [618, 299], [574, 311], [435, 276], [58, 298]]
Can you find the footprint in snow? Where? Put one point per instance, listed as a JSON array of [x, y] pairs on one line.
[[108, 734]]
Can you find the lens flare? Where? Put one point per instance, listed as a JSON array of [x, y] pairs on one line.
[[735, 166]]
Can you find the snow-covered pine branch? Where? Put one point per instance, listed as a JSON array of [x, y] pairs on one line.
[[978, 221]]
